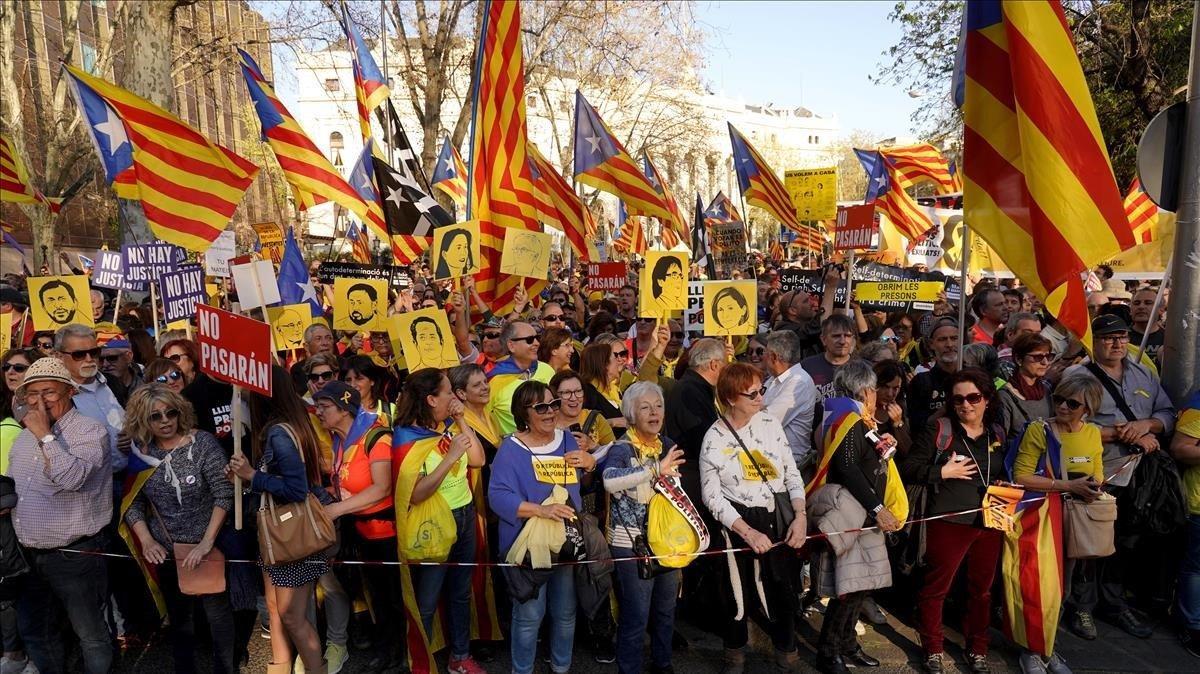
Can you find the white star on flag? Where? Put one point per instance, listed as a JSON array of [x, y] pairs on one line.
[[594, 141], [449, 167], [396, 197], [308, 292], [113, 129]]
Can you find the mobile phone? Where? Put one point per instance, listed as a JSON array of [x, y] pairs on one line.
[[575, 428]]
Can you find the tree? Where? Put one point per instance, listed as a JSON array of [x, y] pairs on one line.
[[1134, 54]]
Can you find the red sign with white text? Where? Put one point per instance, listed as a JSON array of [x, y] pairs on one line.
[[606, 276], [855, 228], [234, 349]]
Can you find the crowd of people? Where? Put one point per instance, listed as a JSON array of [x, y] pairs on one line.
[[548, 446]]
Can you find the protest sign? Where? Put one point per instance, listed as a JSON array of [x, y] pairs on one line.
[[271, 239], [730, 308], [144, 263], [526, 253], [5, 331], [856, 228], [455, 250], [255, 284], [397, 277], [693, 316], [898, 291], [55, 301], [109, 271], [663, 284], [234, 349], [727, 246], [606, 276], [810, 281], [360, 304], [813, 192], [288, 323], [181, 291], [425, 339], [218, 255]]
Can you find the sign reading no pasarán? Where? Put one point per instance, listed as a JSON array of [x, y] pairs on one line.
[[606, 276], [235, 349], [855, 227]]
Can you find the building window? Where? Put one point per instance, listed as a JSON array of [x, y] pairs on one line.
[[816, 140], [89, 58], [335, 141], [332, 84]]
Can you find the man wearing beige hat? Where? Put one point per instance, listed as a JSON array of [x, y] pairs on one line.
[[63, 474]]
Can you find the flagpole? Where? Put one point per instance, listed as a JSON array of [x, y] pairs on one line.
[[965, 261], [483, 29], [387, 127]]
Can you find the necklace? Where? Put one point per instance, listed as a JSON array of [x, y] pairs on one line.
[[983, 478]]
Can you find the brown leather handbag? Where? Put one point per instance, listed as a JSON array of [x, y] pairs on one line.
[[290, 532], [207, 578]]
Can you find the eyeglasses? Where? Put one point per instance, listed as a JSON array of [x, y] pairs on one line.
[[1038, 357], [1118, 338], [491, 335], [546, 408], [677, 334], [553, 318], [756, 351], [1071, 403], [621, 355], [45, 346], [15, 367], [646, 319], [321, 376], [755, 394], [528, 340], [174, 358], [111, 358], [173, 375], [170, 414], [889, 338], [577, 393], [970, 398], [81, 354], [48, 396]]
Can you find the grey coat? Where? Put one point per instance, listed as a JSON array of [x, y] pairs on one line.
[[1016, 411], [852, 562]]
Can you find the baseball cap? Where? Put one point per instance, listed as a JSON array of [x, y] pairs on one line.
[[46, 369], [1108, 324], [341, 394]]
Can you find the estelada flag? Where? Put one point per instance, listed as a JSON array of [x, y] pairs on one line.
[[450, 174], [139, 470]]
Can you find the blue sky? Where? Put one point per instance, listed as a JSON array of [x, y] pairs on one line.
[[815, 54]]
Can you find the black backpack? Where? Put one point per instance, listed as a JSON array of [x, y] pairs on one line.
[[1153, 502]]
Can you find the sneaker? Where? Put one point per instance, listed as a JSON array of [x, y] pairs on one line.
[[1127, 621], [336, 656], [933, 663], [1190, 639], [1057, 665], [978, 663], [11, 666], [1031, 664], [604, 653], [465, 665], [1082, 625], [30, 668], [872, 613]]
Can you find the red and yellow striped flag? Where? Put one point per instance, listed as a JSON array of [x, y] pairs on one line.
[[674, 229], [450, 174], [1039, 186], [559, 206], [188, 186], [1142, 213], [632, 237], [313, 179], [15, 186], [759, 184], [501, 182], [915, 164]]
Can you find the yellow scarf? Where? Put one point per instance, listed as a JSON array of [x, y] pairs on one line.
[[645, 450], [612, 392], [484, 425]]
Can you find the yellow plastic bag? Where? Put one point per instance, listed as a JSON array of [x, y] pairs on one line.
[[670, 536], [431, 531], [895, 498]]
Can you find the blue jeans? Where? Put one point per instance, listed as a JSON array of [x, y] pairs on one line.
[[430, 580], [559, 593], [1189, 577], [77, 585], [641, 602]]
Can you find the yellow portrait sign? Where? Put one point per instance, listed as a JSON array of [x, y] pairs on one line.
[[288, 323], [813, 192], [360, 304], [455, 250], [425, 339], [526, 253], [55, 301], [663, 284], [730, 308]]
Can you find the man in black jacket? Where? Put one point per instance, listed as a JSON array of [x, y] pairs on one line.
[[692, 410], [927, 392]]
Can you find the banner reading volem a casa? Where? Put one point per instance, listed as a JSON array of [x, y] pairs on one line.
[[234, 349]]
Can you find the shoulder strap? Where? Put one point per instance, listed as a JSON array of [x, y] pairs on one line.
[[295, 440], [1114, 392], [944, 436], [373, 436], [762, 476], [589, 422]]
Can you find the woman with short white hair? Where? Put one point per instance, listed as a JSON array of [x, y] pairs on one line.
[[632, 466]]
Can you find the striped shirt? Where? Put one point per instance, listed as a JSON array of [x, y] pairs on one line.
[[64, 488]]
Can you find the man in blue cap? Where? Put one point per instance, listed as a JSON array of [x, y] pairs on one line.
[[116, 362]]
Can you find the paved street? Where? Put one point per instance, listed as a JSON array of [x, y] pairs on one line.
[[895, 644]]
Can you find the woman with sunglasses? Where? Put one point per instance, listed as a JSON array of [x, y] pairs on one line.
[[186, 356], [516, 494], [744, 463], [1026, 395], [957, 456], [185, 500], [600, 368], [1074, 399], [163, 371]]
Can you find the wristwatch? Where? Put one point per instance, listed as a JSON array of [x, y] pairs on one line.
[[46, 438], [875, 511]]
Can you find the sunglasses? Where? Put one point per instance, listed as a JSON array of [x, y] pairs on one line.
[[755, 394], [169, 415], [1071, 403], [546, 408], [528, 340], [1038, 357], [553, 318], [84, 353], [173, 375], [756, 351], [491, 335], [45, 346], [15, 367], [677, 335], [621, 355], [970, 398], [321, 376], [174, 358], [646, 319], [111, 358]]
